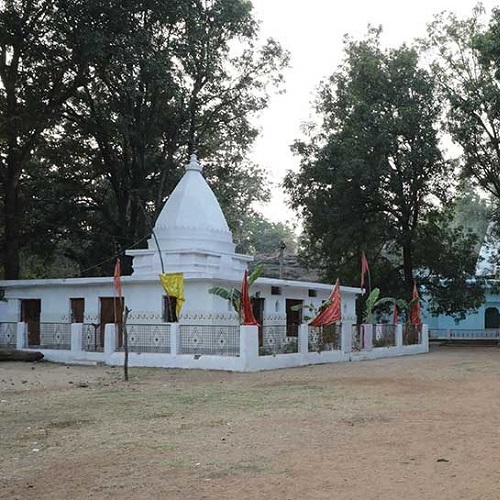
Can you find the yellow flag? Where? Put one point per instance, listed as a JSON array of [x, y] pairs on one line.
[[173, 284]]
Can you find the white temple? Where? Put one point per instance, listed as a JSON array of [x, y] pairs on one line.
[[192, 235], [80, 319], [193, 238]]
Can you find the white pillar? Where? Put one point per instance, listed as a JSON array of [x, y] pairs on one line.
[[368, 337], [21, 341], [425, 337], [303, 338], [76, 337], [249, 345], [399, 335], [346, 336], [110, 337], [175, 339]]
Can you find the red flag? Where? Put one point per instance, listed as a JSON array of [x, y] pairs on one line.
[[415, 310], [332, 312], [245, 304], [364, 269], [395, 316], [117, 278]]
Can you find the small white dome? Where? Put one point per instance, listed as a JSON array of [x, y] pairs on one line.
[[192, 217]]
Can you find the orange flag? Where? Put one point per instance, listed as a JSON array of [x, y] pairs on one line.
[[395, 316], [365, 269], [332, 313], [117, 278], [245, 304], [415, 310]]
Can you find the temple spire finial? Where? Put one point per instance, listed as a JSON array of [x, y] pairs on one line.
[[194, 164]]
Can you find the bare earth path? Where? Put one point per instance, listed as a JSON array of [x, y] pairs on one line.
[[413, 428]]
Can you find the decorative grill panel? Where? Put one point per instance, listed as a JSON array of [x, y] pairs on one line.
[[275, 341], [219, 340], [325, 338], [8, 334], [412, 334], [93, 337], [385, 336], [471, 334], [148, 338], [55, 336]]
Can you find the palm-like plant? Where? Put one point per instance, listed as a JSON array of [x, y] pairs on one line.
[[233, 295], [371, 302], [400, 304]]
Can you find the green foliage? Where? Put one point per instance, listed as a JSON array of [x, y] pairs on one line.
[[311, 309], [39, 72], [256, 272], [465, 61], [156, 80], [233, 295], [401, 305], [370, 303], [472, 212], [255, 235], [446, 260], [373, 179]]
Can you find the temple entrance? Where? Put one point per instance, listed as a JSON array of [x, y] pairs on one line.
[[293, 317], [30, 314], [111, 312], [77, 307], [258, 313]]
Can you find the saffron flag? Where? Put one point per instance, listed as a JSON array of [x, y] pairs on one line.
[[395, 316], [173, 284], [415, 310], [117, 278], [364, 269], [245, 305], [332, 312]]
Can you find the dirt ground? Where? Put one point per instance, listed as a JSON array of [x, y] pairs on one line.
[[412, 428]]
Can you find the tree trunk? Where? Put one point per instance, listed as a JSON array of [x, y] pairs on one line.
[[408, 267], [12, 223]]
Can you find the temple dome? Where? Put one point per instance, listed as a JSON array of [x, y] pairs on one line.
[[192, 217], [191, 235]]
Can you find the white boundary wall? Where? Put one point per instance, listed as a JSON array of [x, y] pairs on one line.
[[248, 360]]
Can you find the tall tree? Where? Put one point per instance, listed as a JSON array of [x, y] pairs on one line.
[[164, 78], [38, 72], [465, 62], [372, 173], [257, 235]]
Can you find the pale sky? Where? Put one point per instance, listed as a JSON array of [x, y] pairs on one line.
[[312, 31]]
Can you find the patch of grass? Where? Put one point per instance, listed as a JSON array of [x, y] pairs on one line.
[[162, 447], [68, 423], [175, 463], [217, 469]]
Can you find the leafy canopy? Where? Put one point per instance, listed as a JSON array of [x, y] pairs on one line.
[[373, 178]]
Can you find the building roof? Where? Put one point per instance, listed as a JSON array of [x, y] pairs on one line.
[[192, 216]]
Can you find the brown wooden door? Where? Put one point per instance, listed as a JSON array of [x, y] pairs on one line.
[[169, 309], [258, 313], [30, 314], [77, 310], [293, 318], [111, 312]]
